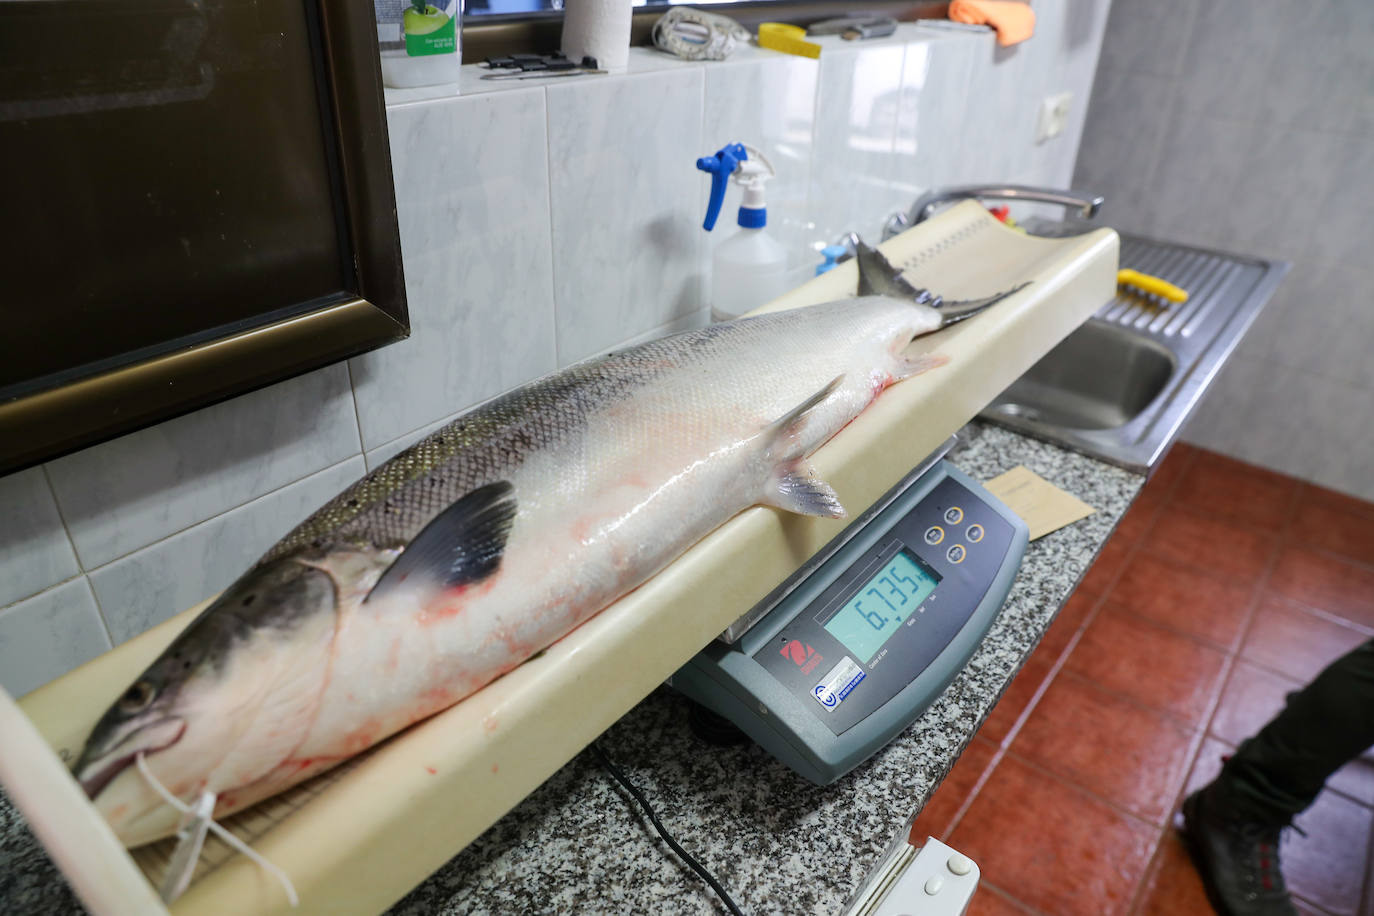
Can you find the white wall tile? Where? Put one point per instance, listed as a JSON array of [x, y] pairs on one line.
[[153, 584], [473, 205], [35, 551], [129, 492], [1072, 33], [627, 204], [48, 635], [928, 147], [857, 107], [999, 121]]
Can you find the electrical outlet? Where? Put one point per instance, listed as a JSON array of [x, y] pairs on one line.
[[1054, 116]]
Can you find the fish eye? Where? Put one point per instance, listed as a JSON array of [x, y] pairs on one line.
[[137, 697]]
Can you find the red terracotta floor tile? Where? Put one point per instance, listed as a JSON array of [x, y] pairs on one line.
[[1329, 583], [937, 816], [1210, 544], [1030, 831], [1189, 601], [1173, 887], [999, 723], [1070, 619], [991, 900], [1103, 572], [1140, 516], [1327, 866], [1295, 642], [1133, 757], [1168, 472], [1329, 526], [1251, 698], [1155, 666], [1223, 487]]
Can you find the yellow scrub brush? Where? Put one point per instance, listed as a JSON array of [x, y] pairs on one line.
[[1152, 285]]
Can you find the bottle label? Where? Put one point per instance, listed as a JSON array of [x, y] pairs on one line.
[[429, 31]]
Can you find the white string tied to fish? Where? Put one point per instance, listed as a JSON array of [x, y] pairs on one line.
[[199, 815]]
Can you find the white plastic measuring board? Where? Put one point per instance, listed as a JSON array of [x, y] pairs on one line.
[[356, 839]]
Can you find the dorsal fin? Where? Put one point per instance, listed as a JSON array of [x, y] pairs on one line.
[[462, 544]]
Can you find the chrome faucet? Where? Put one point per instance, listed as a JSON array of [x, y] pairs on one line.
[[1087, 204]]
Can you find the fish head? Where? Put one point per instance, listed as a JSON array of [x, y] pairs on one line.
[[225, 703]]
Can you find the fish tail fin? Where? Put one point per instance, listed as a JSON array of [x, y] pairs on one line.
[[951, 312], [793, 484], [880, 277]]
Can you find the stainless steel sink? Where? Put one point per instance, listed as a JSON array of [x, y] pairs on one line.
[[1121, 387]]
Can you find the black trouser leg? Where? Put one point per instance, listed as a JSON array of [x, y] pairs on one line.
[[1328, 723]]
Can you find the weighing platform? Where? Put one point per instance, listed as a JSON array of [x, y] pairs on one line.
[[855, 645]]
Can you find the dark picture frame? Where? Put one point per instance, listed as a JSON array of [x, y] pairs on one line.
[[355, 304]]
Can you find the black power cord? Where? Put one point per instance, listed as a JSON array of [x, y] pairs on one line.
[[653, 818]]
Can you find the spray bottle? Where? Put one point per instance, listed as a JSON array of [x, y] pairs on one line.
[[750, 267]]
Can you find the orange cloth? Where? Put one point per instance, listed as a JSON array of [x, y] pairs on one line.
[[1014, 22]]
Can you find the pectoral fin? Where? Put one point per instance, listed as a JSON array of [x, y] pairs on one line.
[[793, 485], [462, 544]]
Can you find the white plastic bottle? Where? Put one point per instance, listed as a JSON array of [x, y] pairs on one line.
[[750, 267]]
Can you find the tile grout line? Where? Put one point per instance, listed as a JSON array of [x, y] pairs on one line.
[[1004, 746], [553, 267], [243, 505], [1068, 782], [1207, 720], [353, 396], [80, 564]]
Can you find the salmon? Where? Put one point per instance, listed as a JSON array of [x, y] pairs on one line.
[[490, 539]]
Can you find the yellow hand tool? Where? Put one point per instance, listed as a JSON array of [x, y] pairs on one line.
[[790, 39], [1153, 285]]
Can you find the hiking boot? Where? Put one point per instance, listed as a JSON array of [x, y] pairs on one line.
[[1238, 860]]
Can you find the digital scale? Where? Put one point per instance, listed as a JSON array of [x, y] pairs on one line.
[[860, 640]]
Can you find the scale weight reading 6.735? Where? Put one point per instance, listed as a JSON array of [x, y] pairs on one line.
[[858, 642]]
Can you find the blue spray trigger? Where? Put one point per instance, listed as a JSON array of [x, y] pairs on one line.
[[721, 166]]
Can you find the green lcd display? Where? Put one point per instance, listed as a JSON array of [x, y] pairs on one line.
[[877, 609]]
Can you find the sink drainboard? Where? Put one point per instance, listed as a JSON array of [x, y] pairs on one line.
[[1121, 386]]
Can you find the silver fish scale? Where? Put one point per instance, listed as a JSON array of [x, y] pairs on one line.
[[393, 503]]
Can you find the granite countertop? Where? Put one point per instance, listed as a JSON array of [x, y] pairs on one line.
[[777, 843]]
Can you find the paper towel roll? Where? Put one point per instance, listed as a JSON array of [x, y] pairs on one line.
[[600, 28]]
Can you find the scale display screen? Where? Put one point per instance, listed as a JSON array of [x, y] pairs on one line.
[[877, 609]]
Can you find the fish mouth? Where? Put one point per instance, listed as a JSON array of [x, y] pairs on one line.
[[101, 773]]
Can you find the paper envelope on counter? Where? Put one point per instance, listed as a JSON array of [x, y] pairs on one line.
[[1043, 506]]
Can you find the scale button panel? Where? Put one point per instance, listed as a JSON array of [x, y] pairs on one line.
[[954, 515], [934, 535]]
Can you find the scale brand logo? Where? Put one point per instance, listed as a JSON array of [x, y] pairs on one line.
[[802, 655]]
